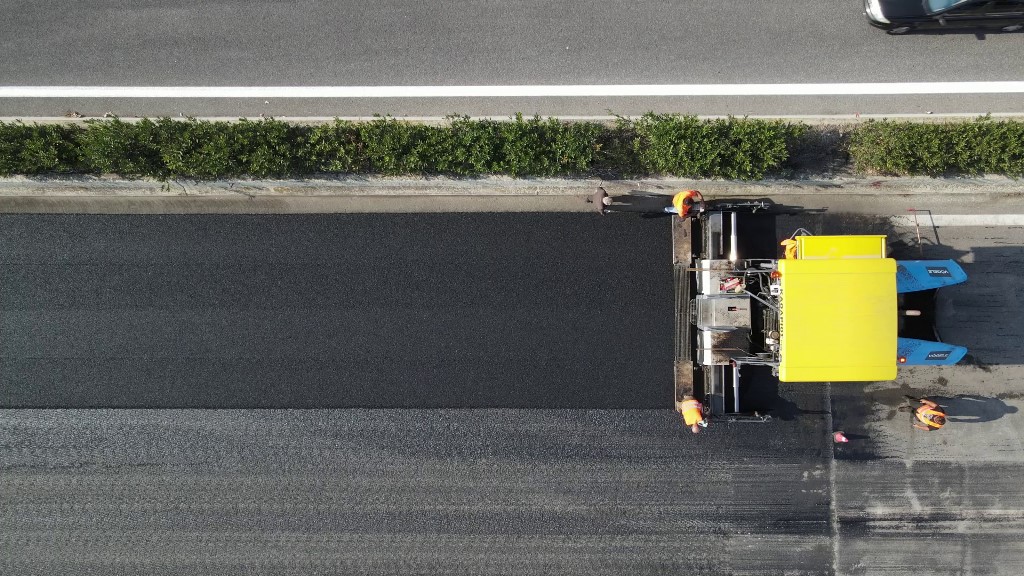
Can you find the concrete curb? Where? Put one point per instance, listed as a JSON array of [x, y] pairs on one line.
[[492, 186], [810, 119], [406, 195]]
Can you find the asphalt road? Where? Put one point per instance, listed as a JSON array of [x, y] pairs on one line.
[[479, 42], [417, 311], [594, 489], [421, 310], [406, 492]]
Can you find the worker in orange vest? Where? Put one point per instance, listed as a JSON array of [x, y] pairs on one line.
[[928, 416], [692, 412], [789, 245], [683, 202]]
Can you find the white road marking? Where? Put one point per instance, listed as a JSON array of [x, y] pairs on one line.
[[601, 90], [810, 118], [967, 220]]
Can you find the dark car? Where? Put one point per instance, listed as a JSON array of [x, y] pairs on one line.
[[902, 16]]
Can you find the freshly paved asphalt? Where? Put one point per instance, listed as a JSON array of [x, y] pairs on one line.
[[474, 42], [607, 486], [330, 311]]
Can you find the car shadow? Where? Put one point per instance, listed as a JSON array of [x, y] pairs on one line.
[[982, 34]]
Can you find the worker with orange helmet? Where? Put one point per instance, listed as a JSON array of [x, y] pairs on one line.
[[683, 202], [928, 416], [692, 412], [789, 245]]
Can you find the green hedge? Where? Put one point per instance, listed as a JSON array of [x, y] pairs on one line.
[[165, 148], [39, 149], [654, 144], [982, 146], [732, 148]]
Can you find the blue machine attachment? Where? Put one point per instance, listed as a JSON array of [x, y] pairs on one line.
[[917, 275], [913, 352]]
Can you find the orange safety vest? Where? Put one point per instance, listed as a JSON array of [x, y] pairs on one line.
[[790, 246], [679, 202], [691, 412], [924, 412]]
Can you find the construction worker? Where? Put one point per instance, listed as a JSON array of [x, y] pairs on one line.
[[790, 247], [928, 416], [640, 202], [683, 202], [601, 199], [692, 412]]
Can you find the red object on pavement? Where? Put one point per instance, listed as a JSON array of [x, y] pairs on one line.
[[840, 438]]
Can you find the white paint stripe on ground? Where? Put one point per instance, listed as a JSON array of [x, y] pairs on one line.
[[809, 118], [948, 220], [539, 91]]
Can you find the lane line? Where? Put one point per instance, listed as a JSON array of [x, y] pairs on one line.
[[538, 91], [965, 220]]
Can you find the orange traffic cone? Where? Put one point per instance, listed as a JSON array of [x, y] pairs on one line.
[[840, 438]]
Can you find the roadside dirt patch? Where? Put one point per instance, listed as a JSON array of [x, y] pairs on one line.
[[821, 153]]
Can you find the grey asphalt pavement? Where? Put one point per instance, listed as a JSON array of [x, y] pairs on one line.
[[474, 42], [408, 492], [950, 500]]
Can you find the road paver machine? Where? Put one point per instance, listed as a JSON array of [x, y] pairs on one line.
[[752, 313]]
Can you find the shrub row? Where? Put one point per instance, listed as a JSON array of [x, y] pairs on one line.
[[654, 144], [981, 146], [166, 148]]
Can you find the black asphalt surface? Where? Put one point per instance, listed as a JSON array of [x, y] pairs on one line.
[[483, 311]]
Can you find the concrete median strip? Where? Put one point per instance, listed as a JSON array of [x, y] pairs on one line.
[[520, 91]]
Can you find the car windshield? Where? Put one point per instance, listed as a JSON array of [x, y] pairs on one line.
[[933, 6]]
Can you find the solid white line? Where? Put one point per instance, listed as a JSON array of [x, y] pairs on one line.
[[810, 118], [968, 220], [840, 89]]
